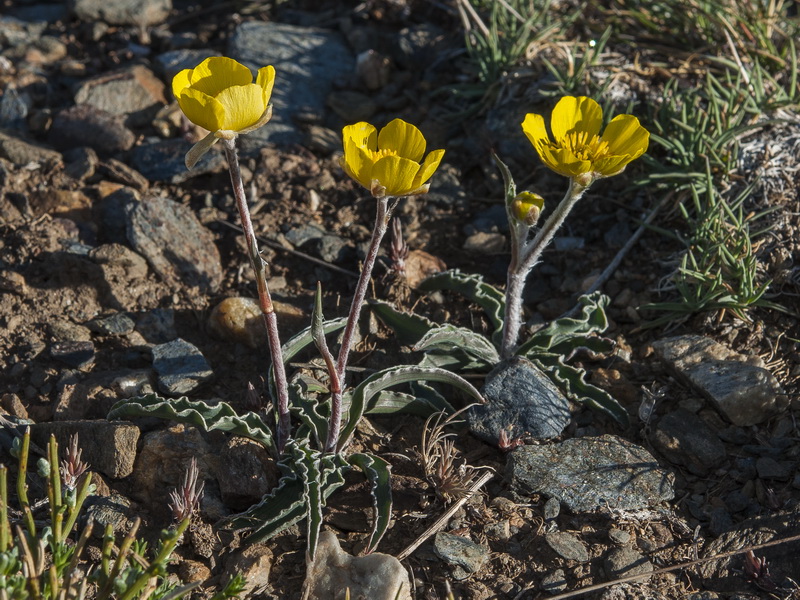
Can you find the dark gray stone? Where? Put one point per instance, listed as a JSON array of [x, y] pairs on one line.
[[165, 160], [85, 125], [685, 439], [107, 447], [625, 562], [113, 213], [460, 552], [567, 546], [307, 62], [117, 324], [246, 473], [178, 247], [591, 473], [14, 109], [769, 468], [114, 510], [520, 399], [22, 153], [142, 13], [134, 93], [298, 236], [75, 354], [181, 367], [554, 582], [157, 326], [334, 249]]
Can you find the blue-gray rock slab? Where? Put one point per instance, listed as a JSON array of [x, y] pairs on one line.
[[739, 386], [520, 399], [133, 92], [142, 13], [307, 62], [181, 367], [165, 160], [686, 439], [591, 473], [460, 552], [177, 246]]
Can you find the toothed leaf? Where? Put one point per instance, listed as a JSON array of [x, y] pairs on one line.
[[378, 472]]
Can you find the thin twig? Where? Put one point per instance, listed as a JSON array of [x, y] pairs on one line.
[[277, 246], [448, 514], [600, 586], [614, 264]]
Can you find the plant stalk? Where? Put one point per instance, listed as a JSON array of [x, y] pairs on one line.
[[382, 217], [525, 255], [264, 298]]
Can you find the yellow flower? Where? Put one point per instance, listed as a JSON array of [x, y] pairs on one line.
[[388, 163], [219, 95], [578, 148]]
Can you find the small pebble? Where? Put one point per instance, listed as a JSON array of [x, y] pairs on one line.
[[567, 546], [554, 582], [619, 537], [74, 354], [181, 367], [116, 324]]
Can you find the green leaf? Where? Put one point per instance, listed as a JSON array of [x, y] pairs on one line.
[[571, 381], [568, 333], [381, 380], [408, 327], [307, 465], [472, 287], [197, 413], [378, 472], [447, 337], [306, 408], [510, 188], [389, 402]]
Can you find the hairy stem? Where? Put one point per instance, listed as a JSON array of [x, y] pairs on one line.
[[264, 298], [525, 256], [382, 216]]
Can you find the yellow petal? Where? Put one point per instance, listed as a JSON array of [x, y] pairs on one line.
[[625, 135], [564, 162], [266, 79], [428, 167], [181, 81], [403, 138], [396, 174], [217, 73], [201, 109], [611, 165], [576, 114], [244, 105], [357, 163], [361, 134], [534, 129]]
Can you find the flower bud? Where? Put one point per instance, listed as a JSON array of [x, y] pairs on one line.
[[526, 207], [585, 179]]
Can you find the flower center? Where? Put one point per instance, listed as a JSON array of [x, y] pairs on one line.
[[585, 147], [376, 155]]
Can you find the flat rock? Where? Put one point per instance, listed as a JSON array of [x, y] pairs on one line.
[[164, 160], [142, 13], [181, 367], [520, 399], [625, 562], [739, 386], [108, 447], [178, 247], [567, 546], [685, 439], [74, 354], [376, 576], [485, 243], [254, 563], [467, 556], [134, 93], [307, 62], [245, 474], [590, 473], [22, 153], [115, 324], [86, 125]]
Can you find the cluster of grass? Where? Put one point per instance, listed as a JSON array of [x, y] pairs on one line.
[[719, 71]]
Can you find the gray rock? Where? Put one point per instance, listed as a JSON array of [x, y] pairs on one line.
[[117, 324], [134, 93], [181, 367], [108, 447], [165, 160], [142, 13], [307, 62], [618, 536], [173, 62], [352, 106], [720, 521], [485, 243], [591, 473], [520, 399], [114, 510], [113, 213], [254, 563], [116, 170], [67, 331], [554, 582], [685, 439], [769, 468], [74, 354], [13, 109], [567, 546], [85, 125], [418, 45], [158, 325], [625, 562], [334, 249], [376, 576], [22, 153], [740, 387], [246, 473], [178, 247], [467, 556], [117, 255], [81, 163], [299, 236]]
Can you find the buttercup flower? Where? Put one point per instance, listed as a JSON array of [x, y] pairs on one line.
[[219, 95], [577, 148], [388, 163]]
